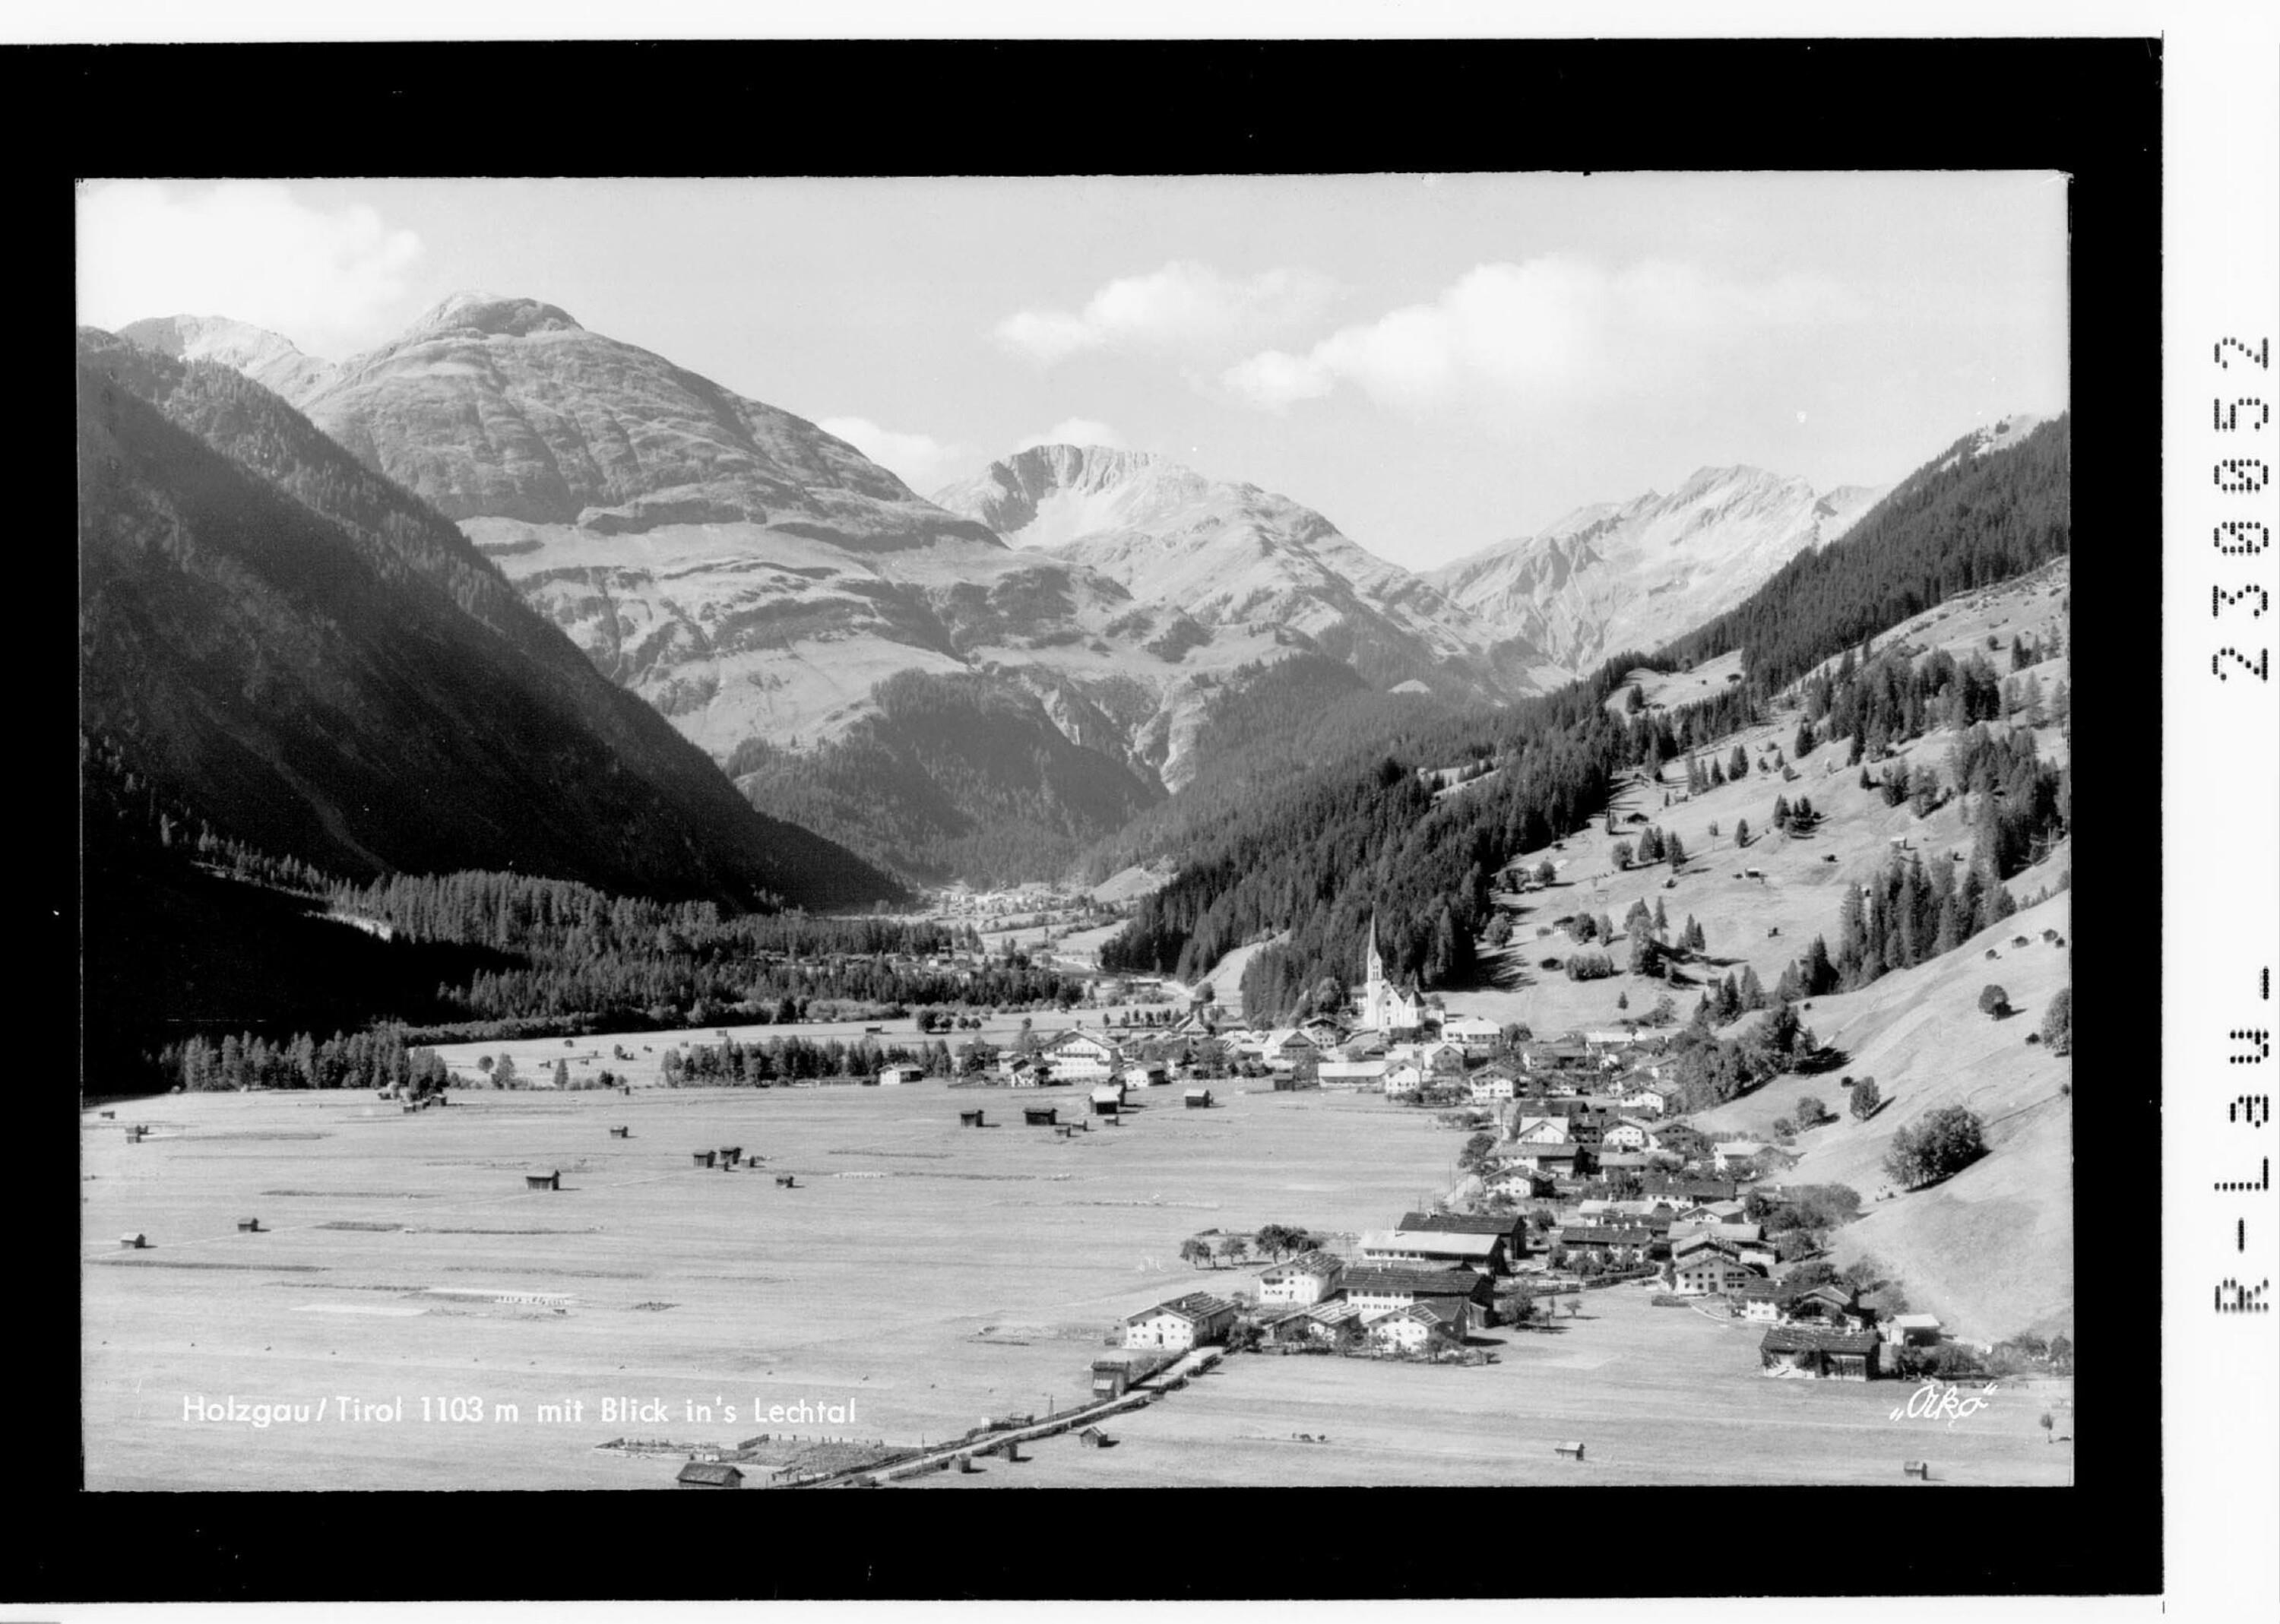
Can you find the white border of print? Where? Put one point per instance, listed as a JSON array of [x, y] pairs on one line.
[[2221, 93]]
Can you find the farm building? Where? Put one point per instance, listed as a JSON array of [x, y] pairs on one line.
[[1489, 1086], [1190, 1322], [1041, 1116], [1112, 1377], [1334, 1322], [895, 1076], [1841, 1356], [1419, 1328], [1309, 1277], [1510, 1226], [1197, 1099], [1834, 1306], [709, 1475], [1107, 1100], [1465, 1297], [1350, 1073], [1485, 1252], [1616, 1247], [1631, 1134], [1912, 1330]]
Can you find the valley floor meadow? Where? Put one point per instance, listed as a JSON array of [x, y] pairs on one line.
[[448, 1325]]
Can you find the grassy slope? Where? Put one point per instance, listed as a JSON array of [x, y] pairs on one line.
[[1991, 1252]]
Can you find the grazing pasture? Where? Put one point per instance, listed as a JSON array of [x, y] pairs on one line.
[[917, 1277], [922, 1273]]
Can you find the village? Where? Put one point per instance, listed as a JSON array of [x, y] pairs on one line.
[[1584, 1184]]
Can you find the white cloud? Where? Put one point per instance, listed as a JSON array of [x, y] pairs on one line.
[[329, 280], [1185, 307], [1077, 431], [1551, 328], [920, 461]]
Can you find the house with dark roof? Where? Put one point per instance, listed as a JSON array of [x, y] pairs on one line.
[[1189, 1321], [1509, 1225], [1839, 1356], [709, 1475], [1552, 1159], [1465, 1297]]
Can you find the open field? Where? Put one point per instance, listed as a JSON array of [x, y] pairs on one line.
[[922, 1273], [1655, 1394], [590, 1054], [870, 1284]]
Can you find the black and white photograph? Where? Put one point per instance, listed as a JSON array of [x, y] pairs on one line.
[[769, 833], [1334, 775]]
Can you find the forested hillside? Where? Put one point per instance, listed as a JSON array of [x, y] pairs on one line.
[[1961, 521], [1363, 835], [323, 667]]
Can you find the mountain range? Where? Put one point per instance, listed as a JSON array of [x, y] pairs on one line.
[[324, 668], [1067, 621], [1634, 574]]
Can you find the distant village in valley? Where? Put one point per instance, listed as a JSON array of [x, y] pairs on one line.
[[1574, 1178]]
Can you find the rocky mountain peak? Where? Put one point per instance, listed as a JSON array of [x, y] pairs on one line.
[[270, 359], [494, 316]]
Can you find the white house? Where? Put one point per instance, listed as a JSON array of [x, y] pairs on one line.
[[1541, 1130], [1310, 1277], [1188, 1321], [1407, 1078], [1478, 1036], [1735, 1151], [1082, 1057], [1418, 1328], [895, 1076], [1643, 1101], [1630, 1134], [1490, 1086]]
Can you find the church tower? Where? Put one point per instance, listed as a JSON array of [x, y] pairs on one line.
[[1373, 1001]]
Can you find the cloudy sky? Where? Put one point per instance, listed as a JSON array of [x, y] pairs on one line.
[[1436, 362]]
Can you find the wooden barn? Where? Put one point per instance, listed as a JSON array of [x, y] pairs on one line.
[[1107, 1100], [1198, 1099], [1041, 1116], [709, 1475], [1839, 1356]]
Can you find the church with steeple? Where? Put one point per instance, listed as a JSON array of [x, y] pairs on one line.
[[1386, 1008]]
